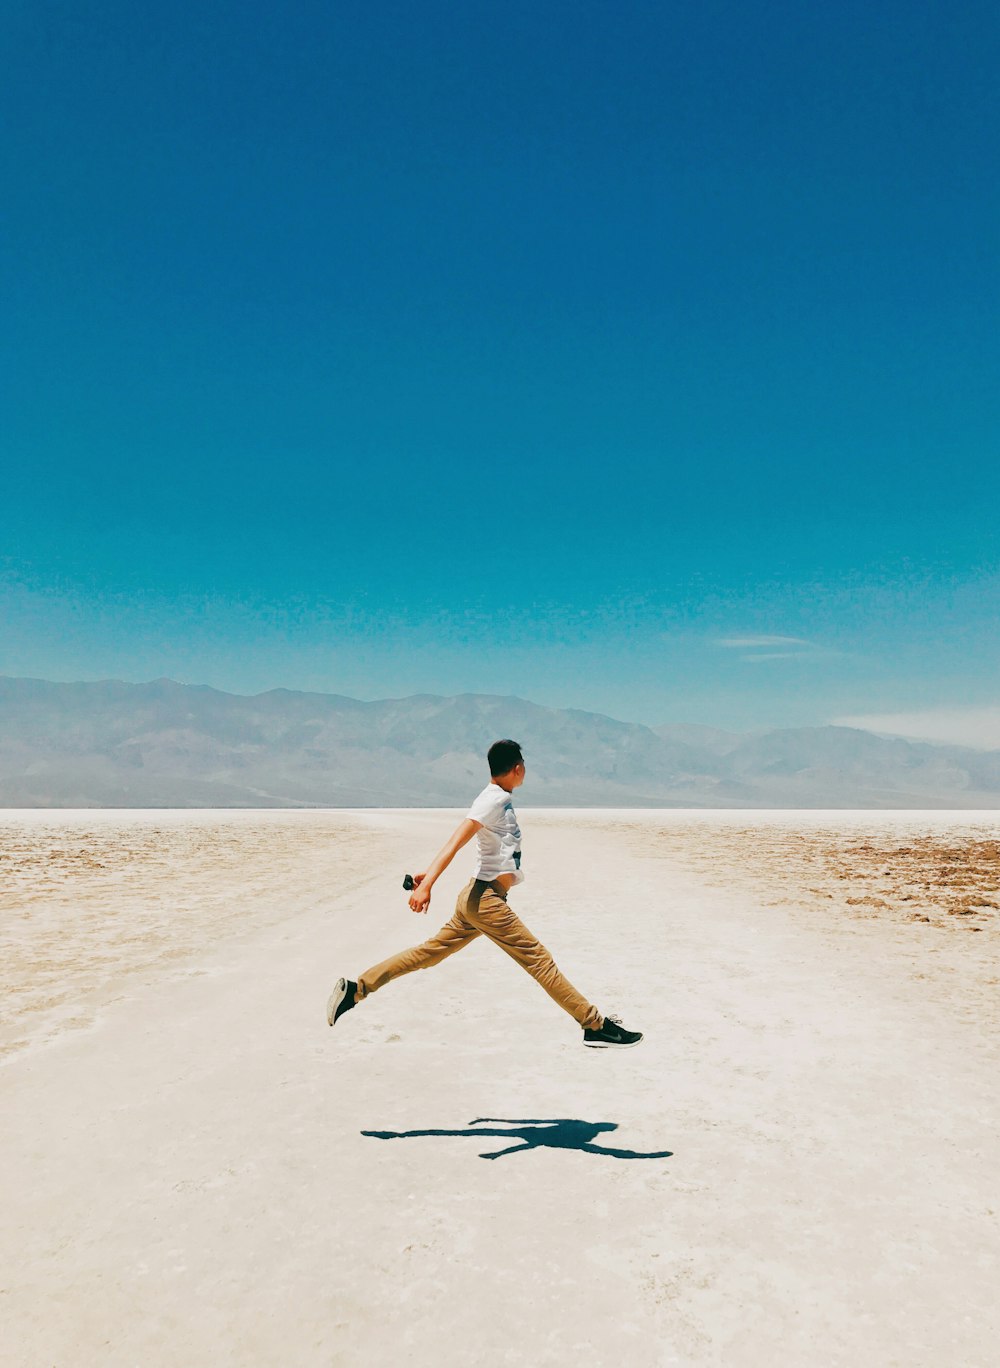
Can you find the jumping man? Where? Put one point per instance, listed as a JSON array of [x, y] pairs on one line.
[[482, 910]]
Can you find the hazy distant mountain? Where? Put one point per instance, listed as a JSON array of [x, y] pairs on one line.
[[162, 744], [708, 738]]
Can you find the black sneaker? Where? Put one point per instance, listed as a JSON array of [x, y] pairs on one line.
[[341, 1000], [611, 1033]]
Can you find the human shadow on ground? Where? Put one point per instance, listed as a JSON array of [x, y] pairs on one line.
[[535, 1133]]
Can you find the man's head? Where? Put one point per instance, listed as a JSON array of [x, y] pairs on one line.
[[506, 763]]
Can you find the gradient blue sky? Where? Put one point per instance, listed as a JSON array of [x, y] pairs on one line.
[[639, 358]]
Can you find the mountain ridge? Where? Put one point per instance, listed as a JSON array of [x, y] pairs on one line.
[[109, 743]]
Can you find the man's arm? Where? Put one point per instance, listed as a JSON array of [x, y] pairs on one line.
[[421, 896]]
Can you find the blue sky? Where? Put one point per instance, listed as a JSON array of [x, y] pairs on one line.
[[638, 358]]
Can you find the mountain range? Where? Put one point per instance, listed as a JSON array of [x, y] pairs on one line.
[[164, 744]]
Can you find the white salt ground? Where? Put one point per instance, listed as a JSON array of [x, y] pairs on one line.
[[187, 1179]]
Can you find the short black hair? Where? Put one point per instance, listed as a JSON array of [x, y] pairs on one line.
[[503, 756]]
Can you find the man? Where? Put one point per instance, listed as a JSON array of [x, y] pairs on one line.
[[482, 909]]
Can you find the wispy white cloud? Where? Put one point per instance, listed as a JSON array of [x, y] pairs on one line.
[[977, 727], [741, 643], [762, 648], [779, 655]]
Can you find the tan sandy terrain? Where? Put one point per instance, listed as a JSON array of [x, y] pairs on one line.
[[797, 1166]]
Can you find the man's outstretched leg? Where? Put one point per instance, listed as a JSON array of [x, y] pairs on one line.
[[452, 937], [486, 909]]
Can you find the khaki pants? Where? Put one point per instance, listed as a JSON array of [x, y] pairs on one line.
[[482, 910]]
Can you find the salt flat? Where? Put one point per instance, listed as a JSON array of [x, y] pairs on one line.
[[185, 1163]]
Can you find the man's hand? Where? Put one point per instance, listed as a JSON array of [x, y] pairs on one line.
[[420, 898]]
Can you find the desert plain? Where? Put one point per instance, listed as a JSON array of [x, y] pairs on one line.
[[797, 1166]]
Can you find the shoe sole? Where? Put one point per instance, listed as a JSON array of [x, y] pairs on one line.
[[336, 998], [611, 1044]]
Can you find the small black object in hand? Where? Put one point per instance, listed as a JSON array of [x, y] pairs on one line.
[[408, 882]]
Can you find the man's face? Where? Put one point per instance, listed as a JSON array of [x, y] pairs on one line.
[[518, 772]]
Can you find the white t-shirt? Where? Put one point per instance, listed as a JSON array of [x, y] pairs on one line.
[[499, 836]]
